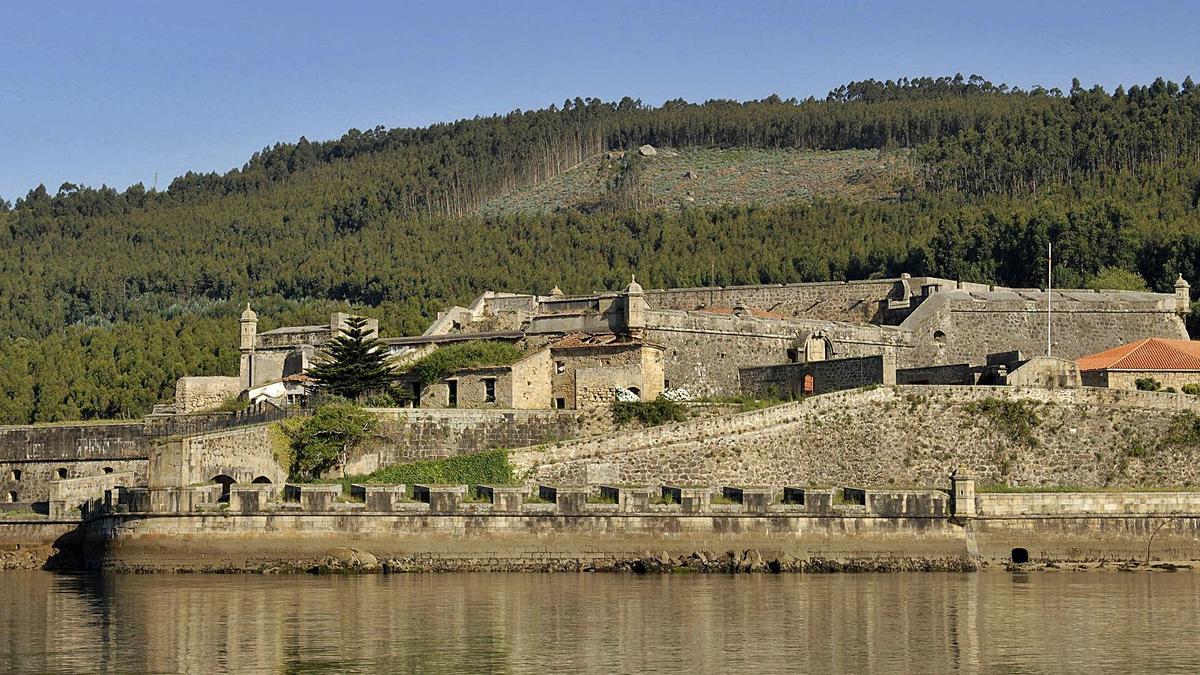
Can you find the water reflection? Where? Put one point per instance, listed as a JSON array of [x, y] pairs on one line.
[[573, 623]]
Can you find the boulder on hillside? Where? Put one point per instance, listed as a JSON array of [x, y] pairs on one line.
[[690, 175], [647, 150]]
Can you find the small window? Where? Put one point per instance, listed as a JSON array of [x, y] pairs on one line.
[[666, 384], [12, 497], [793, 355], [560, 403], [939, 336], [489, 390], [415, 394], [15, 474], [636, 392], [108, 469], [560, 366], [61, 473], [452, 393]]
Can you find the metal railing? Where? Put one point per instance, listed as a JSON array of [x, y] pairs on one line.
[[184, 425]]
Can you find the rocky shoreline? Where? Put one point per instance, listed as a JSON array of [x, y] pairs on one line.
[[358, 561]]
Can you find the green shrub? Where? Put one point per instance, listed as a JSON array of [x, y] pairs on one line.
[[488, 468], [474, 354], [1014, 419], [649, 413], [379, 400], [1192, 388], [323, 440], [1147, 384], [1184, 429]]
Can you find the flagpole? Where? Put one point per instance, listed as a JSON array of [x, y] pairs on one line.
[[1049, 288]]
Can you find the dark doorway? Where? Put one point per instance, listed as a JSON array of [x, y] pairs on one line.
[[452, 397], [1020, 556], [809, 385], [261, 480], [225, 482]]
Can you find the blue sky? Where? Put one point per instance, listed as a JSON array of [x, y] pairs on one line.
[[115, 92]]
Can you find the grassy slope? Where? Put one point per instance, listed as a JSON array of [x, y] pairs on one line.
[[733, 176]]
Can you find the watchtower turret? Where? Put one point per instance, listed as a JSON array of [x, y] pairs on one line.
[[635, 308], [249, 326], [1183, 295]]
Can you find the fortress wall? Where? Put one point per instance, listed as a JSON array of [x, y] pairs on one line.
[[853, 301], [243, 454], [408, 434], [903, 436], [195, 394], [787, 380], [703, 352], [1110, 503], [973, 328], [503, 542], [31, 456]]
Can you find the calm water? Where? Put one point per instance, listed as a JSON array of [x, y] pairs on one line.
[[600, 623]]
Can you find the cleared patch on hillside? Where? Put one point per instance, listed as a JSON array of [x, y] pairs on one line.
[[707, 177]]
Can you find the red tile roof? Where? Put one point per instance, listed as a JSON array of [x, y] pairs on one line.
[[1148, 354]]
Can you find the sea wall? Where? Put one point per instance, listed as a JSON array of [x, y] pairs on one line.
[[31, 457], [1102, 503], [702, 542], [905, 436]]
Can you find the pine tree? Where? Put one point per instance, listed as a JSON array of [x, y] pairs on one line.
[[354, 364]]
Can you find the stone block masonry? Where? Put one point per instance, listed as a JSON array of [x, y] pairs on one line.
[[32, 457], [793, 380], [899, 437], [406, 435]]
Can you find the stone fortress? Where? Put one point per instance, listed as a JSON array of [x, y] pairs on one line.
[[713, 341], [781, 340], [901, 373]]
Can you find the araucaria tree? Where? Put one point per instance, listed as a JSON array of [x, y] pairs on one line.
[[354, 364]]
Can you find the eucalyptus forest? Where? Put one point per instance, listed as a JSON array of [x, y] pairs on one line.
[[107, 296]]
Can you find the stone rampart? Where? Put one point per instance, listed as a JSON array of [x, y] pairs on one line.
[[242, 455], [703, 352], [298, 541], [905, 436], [793, 380], [31, 457], [408, 434], [1078, 503], [76, 497], [196, 394], [962, 327], [850, 301]]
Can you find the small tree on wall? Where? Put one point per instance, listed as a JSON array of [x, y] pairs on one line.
[[324, 439], [353, 364]]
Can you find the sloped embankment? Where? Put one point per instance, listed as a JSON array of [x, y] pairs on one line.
[[905, 436]]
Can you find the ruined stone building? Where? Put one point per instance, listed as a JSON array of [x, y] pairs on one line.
[[708, 341]]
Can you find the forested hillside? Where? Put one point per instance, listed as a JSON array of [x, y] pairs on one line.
[[106, 297]]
